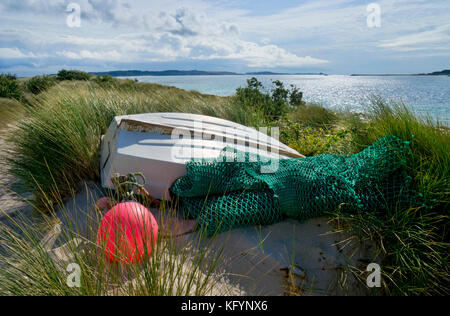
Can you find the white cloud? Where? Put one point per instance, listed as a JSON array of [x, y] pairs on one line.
[[167, 46], [114, 11], [341, 24], [181, 34], [268, 56], [142, 31], [421, 40], [15, 53], [86, 54]]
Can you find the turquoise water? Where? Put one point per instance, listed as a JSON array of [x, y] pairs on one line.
[[425, 94]]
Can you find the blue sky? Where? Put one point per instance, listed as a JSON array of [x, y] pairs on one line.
[[330, 36]]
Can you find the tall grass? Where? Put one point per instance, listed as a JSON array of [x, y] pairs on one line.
[[430, 163], [312, 129], [10, 112], [314, 115], [413, 240]]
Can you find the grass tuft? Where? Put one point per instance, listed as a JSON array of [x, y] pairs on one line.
[[413, 240]]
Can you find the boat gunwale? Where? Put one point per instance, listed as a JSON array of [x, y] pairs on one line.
[[133, 125]]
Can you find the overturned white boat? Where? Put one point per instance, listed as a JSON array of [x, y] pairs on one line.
[[160, 144]]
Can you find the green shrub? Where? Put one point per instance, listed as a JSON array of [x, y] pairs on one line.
[[105, 81], [279, 98], [251, 96], [9, 87], [296, 96], [274, 103], [40, 84], [72, 75]]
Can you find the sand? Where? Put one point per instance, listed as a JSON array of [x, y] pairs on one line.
[[269, 260], [10, 202]]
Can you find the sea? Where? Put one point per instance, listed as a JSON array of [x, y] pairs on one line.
[[428, 96]]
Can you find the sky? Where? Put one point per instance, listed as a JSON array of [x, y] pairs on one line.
[[295, 36]]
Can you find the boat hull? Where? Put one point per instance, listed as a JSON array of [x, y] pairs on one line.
[[160, 144]]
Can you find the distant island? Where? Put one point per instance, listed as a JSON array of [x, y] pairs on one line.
[[138, 73], [436, 73], [440, 73], [286, 74], [267, 73]]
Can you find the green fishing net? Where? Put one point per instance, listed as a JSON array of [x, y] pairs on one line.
[[238, 189]]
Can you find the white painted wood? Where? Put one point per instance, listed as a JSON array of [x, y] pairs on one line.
[[152, 144]]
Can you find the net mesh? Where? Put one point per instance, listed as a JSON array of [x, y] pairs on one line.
[[238, 189]]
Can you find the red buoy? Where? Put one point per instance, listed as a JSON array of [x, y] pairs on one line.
[[127, 233]]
